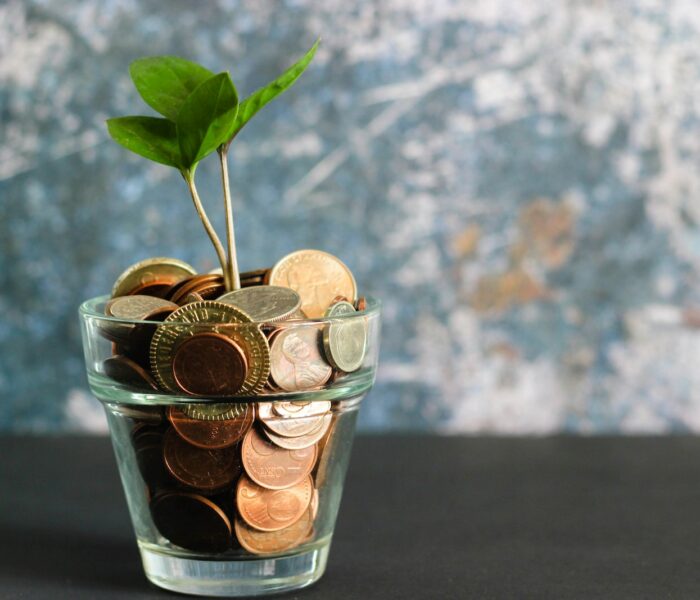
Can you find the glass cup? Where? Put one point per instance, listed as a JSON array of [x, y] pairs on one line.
[[230, 495]]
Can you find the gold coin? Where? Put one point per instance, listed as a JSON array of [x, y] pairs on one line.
[[345, 340], [265, 303], [152, 270], [215, 412], [210, 316], [318, 277]]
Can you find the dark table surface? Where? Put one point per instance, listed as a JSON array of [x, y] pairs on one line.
[[422, 517]]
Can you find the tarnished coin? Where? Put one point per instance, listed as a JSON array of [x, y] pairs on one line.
[[201, 468], [265, 542], [209, 364], [302, 441], [207, 286], [158, 271], [273, 467], [272, 510], [267, 303], [296, 362], [317, 277], [192, 522], [345, 340], [138, 308], [208, 411], [127, 372], [211, 434], [211, 316], [295, 420]]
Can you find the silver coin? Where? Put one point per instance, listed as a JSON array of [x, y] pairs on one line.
[[264, 303], [345, 340]]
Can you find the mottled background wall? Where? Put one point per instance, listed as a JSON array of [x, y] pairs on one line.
[[518, 181]]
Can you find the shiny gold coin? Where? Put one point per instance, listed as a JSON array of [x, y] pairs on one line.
[[267, 303], [161, 270], [345, 340], [264, 542], [215, 412], [318, 277], [210, 316], [272, 510]]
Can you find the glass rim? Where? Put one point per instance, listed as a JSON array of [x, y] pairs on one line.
[[88, 310]]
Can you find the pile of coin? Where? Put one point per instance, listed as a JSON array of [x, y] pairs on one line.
[[235, 475], [252, 341], [245, 474]]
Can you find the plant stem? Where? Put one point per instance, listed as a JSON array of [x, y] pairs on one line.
[[232, 264], [211, 232]]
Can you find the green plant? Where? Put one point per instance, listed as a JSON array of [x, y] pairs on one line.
[[201, 114]]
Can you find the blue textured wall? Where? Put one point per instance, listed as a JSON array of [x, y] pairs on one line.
[[517, 180]]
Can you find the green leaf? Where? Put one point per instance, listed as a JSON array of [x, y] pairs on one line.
[[154, 138], [253, 103], [206, 118], [164, 82]]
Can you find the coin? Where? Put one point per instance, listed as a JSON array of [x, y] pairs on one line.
[[302, 441], [211, 434], [361, 304], [138, 308], [264, 303], [207, 286], [207, 411], [151, 272], [147, 442], [296, 362], [194, 318], [209, 364], [191, 521], [127, 372], [272, 510], [299, 419], [201, 468], [345, 340], [273, 467], [317, 276], [265, 542], [326, 451], [314, 505]]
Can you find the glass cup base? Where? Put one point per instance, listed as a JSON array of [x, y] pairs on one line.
[[232, 578]]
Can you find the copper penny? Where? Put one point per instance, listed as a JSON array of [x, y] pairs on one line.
[[195, 284], [201, 468], [265, 542], [211, 434], [272, 510], [361, 304], [192, 522], [317, 277], [273, 467], [209, 364], [296, 362], [129, 373]]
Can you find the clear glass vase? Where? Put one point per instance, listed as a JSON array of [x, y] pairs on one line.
[[229, 496]]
